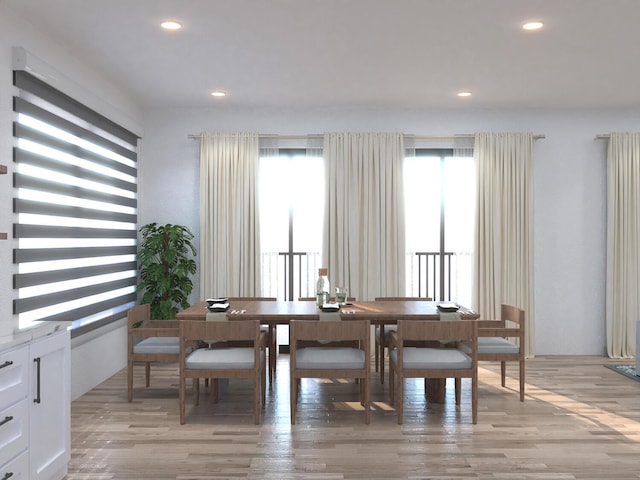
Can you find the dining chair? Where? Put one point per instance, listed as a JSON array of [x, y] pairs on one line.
[[436, 361], [223, 362], [308, 359], [381, 334], [503, 341], [149, 341]]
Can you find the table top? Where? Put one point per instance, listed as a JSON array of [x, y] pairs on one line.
[[281, 312]]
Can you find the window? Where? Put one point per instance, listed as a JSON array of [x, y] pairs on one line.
[[439, 216], [75, 189], [291, 215]]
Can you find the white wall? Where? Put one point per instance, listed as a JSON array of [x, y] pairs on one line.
[[570, 190], [100, 357]]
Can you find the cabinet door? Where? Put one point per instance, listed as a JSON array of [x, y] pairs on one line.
[[50, 405]]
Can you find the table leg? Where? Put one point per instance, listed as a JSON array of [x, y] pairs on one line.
[[435, 389]]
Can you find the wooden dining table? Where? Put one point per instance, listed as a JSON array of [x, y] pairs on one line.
[[386, 312]]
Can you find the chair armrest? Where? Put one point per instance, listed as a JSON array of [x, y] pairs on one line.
[[145, 332], [499, 332]]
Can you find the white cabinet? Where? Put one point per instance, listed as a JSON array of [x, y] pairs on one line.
[[49, 415], [35, 409]]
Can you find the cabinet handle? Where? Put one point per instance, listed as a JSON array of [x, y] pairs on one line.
[[7, 475], [6, 364], [37, 399], [7, 419]]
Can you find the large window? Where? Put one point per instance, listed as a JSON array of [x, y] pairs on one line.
[[439, 216], [76, 210], [291, 211]]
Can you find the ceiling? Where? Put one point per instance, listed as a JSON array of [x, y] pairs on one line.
[[355, 53]]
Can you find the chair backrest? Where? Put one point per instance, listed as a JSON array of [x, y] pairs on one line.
[[390, 299], [194, 330], [343, 330], [140, 325], [511, 324], [437, 330]]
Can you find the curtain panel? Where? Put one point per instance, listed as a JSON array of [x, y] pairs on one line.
[[229, 220], [503, 250], [364, 243], [623, 244]]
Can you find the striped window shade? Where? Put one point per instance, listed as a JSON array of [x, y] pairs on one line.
[[75, 200]]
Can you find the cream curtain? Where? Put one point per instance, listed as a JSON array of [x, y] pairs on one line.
[[229, 221], [503, 253], [364, 228], [623, 244]]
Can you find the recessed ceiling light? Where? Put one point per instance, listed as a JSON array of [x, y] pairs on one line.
[[465, 93], [171, 25], [533, 25], [218, 93]]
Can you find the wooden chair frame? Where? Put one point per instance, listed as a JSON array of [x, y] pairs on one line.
[[306, 333], [140, 315], [510, 326], [409, 331], [191, 334]]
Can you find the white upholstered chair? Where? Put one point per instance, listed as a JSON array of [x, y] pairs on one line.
[[223, 362], [309, 359], [149, 341], [440, 361], [503, 341]]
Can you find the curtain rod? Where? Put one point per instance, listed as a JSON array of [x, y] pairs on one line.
[[194, 136], [601, 136]]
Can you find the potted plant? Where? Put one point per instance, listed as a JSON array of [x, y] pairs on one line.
[[166, 265]]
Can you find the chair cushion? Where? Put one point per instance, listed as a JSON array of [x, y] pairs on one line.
[[317, 358], [416, 357], [236, 358], [158, 345], [494, 345], [387, 329]]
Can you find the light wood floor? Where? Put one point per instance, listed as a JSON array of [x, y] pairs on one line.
[[579, 421]]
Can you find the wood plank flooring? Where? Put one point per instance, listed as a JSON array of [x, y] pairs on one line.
[[579, 421]]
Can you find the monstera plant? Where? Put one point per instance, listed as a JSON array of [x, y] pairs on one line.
[[166, 266]]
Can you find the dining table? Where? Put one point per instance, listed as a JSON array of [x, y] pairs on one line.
[[386, 312]]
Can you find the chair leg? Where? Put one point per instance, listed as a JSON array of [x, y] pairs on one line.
[[367, 398], [130, 380], [474, 399], [182, 399], [196, 391], [257, 381], [273, 352], [503, 372], [376, 354], [522, 380], [293, 397], [458, 386], [263, 385], [391, 383], [400, 393], [147, 373], [382, 347]]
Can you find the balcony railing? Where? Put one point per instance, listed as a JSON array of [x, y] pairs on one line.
[[289, 276], [443, 277]]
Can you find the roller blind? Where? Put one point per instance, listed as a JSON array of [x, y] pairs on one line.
[[75, 200]]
